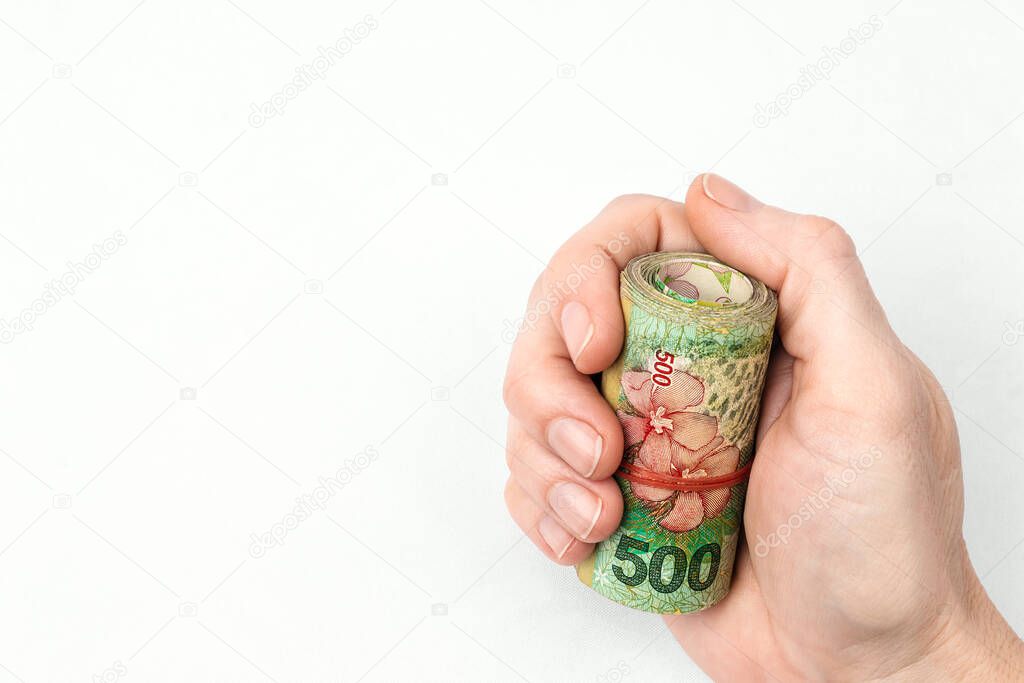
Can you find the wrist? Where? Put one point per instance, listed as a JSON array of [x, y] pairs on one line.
[[976, 643]]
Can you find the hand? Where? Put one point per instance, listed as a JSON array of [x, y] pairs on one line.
[[854, 565]]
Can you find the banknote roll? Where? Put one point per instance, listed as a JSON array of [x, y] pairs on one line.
[[687, 391]]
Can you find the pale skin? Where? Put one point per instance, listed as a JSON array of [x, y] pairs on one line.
[[878, 584]]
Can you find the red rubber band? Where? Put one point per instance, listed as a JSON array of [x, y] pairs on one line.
[[642, 475]]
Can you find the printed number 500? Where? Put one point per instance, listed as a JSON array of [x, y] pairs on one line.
[[654, 572]]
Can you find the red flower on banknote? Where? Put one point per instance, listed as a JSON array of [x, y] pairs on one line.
[[676, 441]]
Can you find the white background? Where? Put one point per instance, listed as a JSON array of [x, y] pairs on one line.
[[128, 511]]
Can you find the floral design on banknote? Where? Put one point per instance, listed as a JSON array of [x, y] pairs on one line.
[[669, 438]]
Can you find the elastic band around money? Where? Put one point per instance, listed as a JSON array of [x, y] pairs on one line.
[[642, 475]]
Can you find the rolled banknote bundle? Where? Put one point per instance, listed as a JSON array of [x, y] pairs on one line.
[[687, 391]]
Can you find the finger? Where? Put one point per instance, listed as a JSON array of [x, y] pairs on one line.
[[809, 260], [561, 408], [575, 313], [590, 510], [828, 316], [586, 271], [543, 529]]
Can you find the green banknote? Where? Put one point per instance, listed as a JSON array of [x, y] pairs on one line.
[[687, 390]]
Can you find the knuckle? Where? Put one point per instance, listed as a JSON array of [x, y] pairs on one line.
[[510, 493], [830, 239], [510, 456], [529, 389], [513, 390], [514, 444], [623, 201], [537, 290]]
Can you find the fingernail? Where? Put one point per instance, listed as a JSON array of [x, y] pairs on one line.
[[731, 196], [557, 538], [576, 328], [577, 443], [576, 506]]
